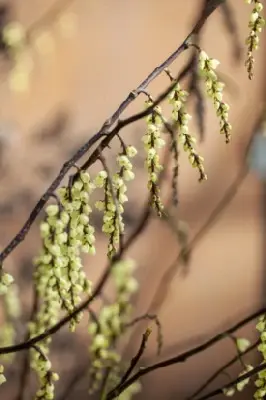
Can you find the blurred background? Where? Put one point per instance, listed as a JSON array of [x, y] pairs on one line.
[[75, 61]]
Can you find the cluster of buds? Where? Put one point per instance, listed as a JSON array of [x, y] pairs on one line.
[[256, 24], [177, 98], [46, 376], [66, 232], [110, 325], [59, 278], [214, 90], [152, 143], [114, 198]]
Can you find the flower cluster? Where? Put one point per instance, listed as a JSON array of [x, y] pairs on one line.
[[59, 278], [110, 325], [114, 198], [256, 24], [46, 376], [152, 143], [177, 99], [214, 90], [66, 232]]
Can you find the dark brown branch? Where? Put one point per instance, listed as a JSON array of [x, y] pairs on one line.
[[190, 353]]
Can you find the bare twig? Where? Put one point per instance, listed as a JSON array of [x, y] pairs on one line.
[[116, 391]]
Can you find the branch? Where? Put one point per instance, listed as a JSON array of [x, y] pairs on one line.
[[241, 378], [116, 391], [20, 236], [190, 353], [222, 369]]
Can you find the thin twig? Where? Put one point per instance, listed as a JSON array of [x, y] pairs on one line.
[[116, 391], [222, 369], [241, 378]]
